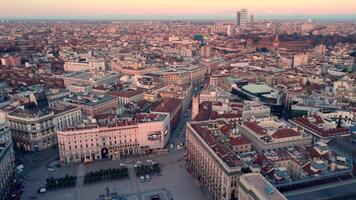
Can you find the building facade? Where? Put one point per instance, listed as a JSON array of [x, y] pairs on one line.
[[86, 64], [147, 133], [92, 106], [270, 133], [126, 96], [7, 162], [254, 186], [92, 77], [36, 130], [212, 158]]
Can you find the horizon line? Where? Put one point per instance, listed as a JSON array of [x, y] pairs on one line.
[[331, 17]]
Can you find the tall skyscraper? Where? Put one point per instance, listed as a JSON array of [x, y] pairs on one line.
[[241, 18], [238, 18], [252, 20]]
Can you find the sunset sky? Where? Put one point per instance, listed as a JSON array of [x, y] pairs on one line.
[[161, 8]]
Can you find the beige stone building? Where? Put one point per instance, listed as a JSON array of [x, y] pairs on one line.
[[254, 186], [36, 130], [211, 156], [7, 162]]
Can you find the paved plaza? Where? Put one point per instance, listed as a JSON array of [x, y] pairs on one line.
[[174, 179]]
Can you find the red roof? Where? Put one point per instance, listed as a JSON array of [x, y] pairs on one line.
[[168, 106], [313, 126], [284, 133], [239, 141], [255, 128]]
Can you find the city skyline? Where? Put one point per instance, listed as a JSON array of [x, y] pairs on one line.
[[177, 99], [159, 9]]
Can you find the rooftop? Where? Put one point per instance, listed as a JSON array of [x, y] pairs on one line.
[[260, 187], [270, 129], [168, 106], [91, 75], [128, 92], [216, 135], [319, 127], [88, 100], [257, 89]]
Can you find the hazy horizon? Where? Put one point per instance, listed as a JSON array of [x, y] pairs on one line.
[[187, 17], [182, 9]]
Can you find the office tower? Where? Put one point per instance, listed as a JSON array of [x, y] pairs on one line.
[[252, 20], [243, 18], [238, 18]]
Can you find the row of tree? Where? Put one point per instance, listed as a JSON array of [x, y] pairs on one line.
[[147, 169], [59, 183], [107, 174]]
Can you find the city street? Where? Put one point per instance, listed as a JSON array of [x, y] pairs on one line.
[[178, 134]]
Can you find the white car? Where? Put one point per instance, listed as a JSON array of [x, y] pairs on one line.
[[42, 190], [142, 178], [147, 178], [149, 161], [51, 169], [122, 164], [139, 162]]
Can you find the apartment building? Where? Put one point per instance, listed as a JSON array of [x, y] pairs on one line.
[[271, 133], [211, 155], [114, 138], [128, 95], [254, 186], [254, 109], [84, 64], [35, 130], [7, 162], [92, 77], [93, 105]]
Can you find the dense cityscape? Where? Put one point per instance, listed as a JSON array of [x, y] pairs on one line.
[[242, 109]]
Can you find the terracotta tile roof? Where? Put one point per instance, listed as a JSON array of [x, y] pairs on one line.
[[284, 133], [168, 106], [239, 141], [256, 128], [313, 126]]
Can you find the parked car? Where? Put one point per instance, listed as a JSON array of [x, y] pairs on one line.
[[19, 169], [148, 178], [142, 178], [122, 164], [41, 190], [155, 197], [149, 161], [51, 169]]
